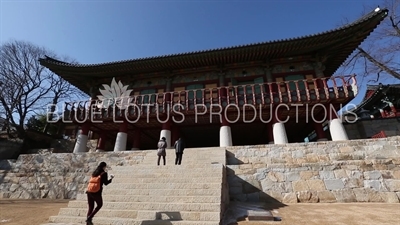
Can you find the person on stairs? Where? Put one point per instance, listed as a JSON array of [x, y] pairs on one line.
[[179, 147], [95, 189], [162, 145]]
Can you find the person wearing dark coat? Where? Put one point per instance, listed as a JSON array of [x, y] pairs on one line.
[[179, 147], [97, 196]]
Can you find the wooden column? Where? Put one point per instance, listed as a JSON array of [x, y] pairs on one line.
[[136, 139]]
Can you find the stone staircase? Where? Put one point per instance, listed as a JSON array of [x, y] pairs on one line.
[[193, 193]]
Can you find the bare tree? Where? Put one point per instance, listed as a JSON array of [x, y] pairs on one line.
[[24, 82], [379, 54], [27, 86]]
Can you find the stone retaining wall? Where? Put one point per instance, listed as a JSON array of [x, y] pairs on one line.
[[56, 176], [341, 171]]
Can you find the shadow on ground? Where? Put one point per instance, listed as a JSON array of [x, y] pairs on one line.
[[164, 218]]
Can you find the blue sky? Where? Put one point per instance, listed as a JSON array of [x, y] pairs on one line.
[[95, 31]]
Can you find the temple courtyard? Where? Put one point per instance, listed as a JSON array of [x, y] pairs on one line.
[[35, 212]]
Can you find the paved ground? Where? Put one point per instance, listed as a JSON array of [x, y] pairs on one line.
[[35, 212], [32, 212], [336, 214]]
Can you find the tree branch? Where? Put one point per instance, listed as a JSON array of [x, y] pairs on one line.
[[380, 65], [395, 25]]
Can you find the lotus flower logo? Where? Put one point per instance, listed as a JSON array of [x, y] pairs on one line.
[[117, 94]]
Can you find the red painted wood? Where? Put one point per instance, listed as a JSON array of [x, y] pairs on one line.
[[85, 128], [136, 139], [123, 127], [271, 93], [166, 125]]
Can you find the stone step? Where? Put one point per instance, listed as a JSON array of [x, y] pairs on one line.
[[160, 170], [123, 175], [209, 165], [182, 215], [170, 166], [163, 192], [190, 156], [126, 221], [143, 215], [183, 179], [167, 168], [142, 171], [152, 162], [198, 154], [198, 207], [184, 162], [82, 212], [151, 198], [196, 185]]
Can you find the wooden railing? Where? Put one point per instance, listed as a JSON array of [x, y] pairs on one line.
[[288, 92]]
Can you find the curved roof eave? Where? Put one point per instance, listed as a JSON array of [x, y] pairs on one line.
[[383, 12]]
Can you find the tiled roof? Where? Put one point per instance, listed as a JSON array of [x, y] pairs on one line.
[[373, 93], [342, 41]]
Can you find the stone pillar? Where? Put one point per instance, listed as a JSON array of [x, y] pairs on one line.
[[166, 132], [101, 143], [122, 137], [225, 134], [336, 128], [81, 141], [319, 130], [278, 130], [136, 140]]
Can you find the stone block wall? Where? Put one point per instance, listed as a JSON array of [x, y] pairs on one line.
[[341, 171], [367, 128], [56, 175]]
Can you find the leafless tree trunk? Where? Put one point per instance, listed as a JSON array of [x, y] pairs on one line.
[[25, 82], [379, 54]]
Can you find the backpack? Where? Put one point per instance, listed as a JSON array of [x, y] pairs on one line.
[[94, 184]]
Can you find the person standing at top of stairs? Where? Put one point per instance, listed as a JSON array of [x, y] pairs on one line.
[[179, 147], [162, 145]]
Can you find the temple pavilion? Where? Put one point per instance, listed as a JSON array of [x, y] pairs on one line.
[[271, 92], [380, 101]]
